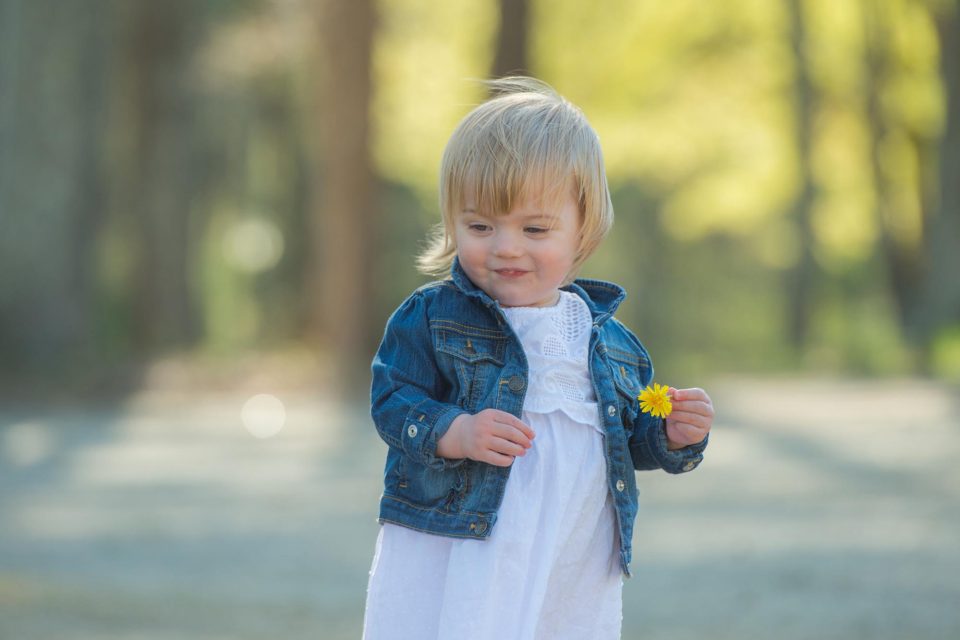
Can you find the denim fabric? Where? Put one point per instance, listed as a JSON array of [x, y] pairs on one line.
[[448, 350]]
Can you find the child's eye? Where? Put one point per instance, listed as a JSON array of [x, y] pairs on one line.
[[478, 226], [535, 230]]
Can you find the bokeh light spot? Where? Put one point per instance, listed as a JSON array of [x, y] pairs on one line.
[[253, 245], [263, 415]]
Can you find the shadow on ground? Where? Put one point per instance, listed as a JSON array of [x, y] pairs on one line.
[[824, 510]]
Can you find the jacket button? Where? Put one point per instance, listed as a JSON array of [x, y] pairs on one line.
[[515, 383], [690, 466], [611, 411], [621, 485], [412, 431]]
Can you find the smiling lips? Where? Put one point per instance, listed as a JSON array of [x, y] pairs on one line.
[[510, 273]]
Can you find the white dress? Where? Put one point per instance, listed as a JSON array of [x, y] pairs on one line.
[[550, 567]]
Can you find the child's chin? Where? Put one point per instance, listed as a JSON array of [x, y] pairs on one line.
[[527, 301]]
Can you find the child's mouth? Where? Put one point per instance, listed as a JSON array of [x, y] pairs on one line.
[[510, 273]]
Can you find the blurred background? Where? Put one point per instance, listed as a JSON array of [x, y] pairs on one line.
[[208, 209]]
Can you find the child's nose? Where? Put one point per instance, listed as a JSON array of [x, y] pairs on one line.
[[506, 245]]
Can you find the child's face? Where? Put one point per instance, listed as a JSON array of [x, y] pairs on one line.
[[522, 258]]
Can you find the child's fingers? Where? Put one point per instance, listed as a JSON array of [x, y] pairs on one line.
[[500, 424], [512, 434], [693, 406], [685, 433], [497, 459], [689, 394], [701, 421], [509, 419], [506, 447]]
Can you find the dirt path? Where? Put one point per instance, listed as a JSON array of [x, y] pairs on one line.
[[824, 510]]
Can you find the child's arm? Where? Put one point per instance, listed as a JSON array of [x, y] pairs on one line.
[[407, 414], [406, 381], [676, 444], [652, 448]]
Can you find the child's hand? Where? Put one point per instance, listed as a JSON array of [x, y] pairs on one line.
[[691, 418], [491, 435]]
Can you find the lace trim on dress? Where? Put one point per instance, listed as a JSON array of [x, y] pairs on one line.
[[556, 341]]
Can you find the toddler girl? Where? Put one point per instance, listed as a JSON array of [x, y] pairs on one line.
[[507, 395]]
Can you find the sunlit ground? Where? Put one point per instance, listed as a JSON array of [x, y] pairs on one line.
[[824, 510]]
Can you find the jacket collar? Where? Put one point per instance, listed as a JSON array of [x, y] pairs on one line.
[[602, 297]]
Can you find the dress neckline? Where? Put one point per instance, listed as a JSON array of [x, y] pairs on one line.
[[552, 307]]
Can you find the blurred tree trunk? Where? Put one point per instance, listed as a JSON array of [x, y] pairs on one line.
[[902, 255], [511, 55], [940, 300], [163, 167], [799, 282], [53, 59], [344, 222]]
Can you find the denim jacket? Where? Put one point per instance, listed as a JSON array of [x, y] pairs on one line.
[[447, 350]]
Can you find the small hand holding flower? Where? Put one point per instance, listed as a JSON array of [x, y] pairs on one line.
[[691, 417], [655, 400]]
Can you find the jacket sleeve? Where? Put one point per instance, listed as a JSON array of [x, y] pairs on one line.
[[648, 442], [648, 448], [406, 385]]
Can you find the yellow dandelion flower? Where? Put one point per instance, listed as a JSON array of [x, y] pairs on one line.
[[655, 401]]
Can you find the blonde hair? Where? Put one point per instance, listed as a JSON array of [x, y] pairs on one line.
[[526, 141]]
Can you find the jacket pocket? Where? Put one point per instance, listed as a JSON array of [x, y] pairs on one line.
[[472, 358], [437, 490], [627, 380]]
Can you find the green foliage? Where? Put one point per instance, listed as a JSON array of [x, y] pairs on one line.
[[945, 361], [696, 104]]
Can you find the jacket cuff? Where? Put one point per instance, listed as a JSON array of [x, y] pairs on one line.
[[678, 460], [426, 423]]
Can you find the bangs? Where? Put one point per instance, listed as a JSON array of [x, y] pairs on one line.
[[496, 164], [544, 186]]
